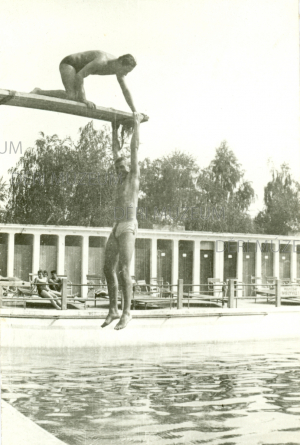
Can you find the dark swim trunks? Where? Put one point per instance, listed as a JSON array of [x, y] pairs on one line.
[[124, 227], [68, 61], [80, 60]]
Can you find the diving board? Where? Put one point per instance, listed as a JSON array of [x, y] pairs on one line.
[[39, 102]]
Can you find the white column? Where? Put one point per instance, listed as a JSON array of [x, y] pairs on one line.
[[10, 254], [275, 249], [196, 264], [84, 264], [221, 267], [258, 259], [175, 253], [297, 268], [61, 255], [239, 272], [293, 263], [219, 260], [153, 254], [36, 252]]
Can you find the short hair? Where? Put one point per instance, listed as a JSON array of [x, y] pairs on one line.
[[127, 59], [39, 271], [44, 271], [53, 271]]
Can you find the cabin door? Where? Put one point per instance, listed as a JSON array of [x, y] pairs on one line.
[[73, 267], [206, 269], [266, 266], [248, 270]]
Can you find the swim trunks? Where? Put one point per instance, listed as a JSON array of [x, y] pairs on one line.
[[125, 227], [41, 284], [69, 61], [79, 61]]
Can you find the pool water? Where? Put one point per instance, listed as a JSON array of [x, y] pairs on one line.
[[195, 394]]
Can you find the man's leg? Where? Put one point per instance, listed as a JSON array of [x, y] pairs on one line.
[[111, 260], [126, 247], [68, 74]]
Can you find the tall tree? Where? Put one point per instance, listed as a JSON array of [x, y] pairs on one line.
[[168, 188], [59, 182], [93, 196], [225, 194], [3, 197], [281, 214], [214, 199]]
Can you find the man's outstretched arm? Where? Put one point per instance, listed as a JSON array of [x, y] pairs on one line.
[[126, 93], [135, 142], [115, 140]]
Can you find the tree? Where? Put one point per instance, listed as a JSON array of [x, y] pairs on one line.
[[92, 201], [167, 188], [67, 183], [225, 194], [3, 196], [281, 214], [175, 191], [59, 182]]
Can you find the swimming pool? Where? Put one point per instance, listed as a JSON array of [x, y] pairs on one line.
[[185, 394]]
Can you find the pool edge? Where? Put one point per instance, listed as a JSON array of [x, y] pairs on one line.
[[17, 429]]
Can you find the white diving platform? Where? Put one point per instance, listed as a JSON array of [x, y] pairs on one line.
[[39, 102]]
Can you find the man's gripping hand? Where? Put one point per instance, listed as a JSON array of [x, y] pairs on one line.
[[138, 117]]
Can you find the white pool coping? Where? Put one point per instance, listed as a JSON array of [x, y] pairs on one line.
[[17, 429], [50, 329]]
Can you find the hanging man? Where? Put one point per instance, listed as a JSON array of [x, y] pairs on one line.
[[120, 244]]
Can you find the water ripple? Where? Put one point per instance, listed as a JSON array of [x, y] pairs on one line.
[[164, 398]]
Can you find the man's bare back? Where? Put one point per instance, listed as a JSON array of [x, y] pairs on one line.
[[75, 67], [101, 61]]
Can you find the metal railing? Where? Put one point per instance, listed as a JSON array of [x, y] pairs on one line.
[[173, 295], [279, 291]]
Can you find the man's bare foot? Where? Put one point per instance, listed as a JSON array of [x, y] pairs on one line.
[[125, 319], [35, 91], [110, 318]]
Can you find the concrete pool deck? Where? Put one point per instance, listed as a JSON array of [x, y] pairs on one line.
[[17, 429], [82, 328]]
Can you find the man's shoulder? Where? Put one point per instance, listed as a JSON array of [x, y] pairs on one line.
[[103, 57]]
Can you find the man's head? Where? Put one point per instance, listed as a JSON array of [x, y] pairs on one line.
[[53, 274], [122, 167], [127, 63]]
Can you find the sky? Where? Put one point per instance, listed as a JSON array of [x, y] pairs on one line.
[[208, 71]]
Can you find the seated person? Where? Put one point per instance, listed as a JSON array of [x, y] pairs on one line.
[[55, 283], [41, 283], [45, 274]]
